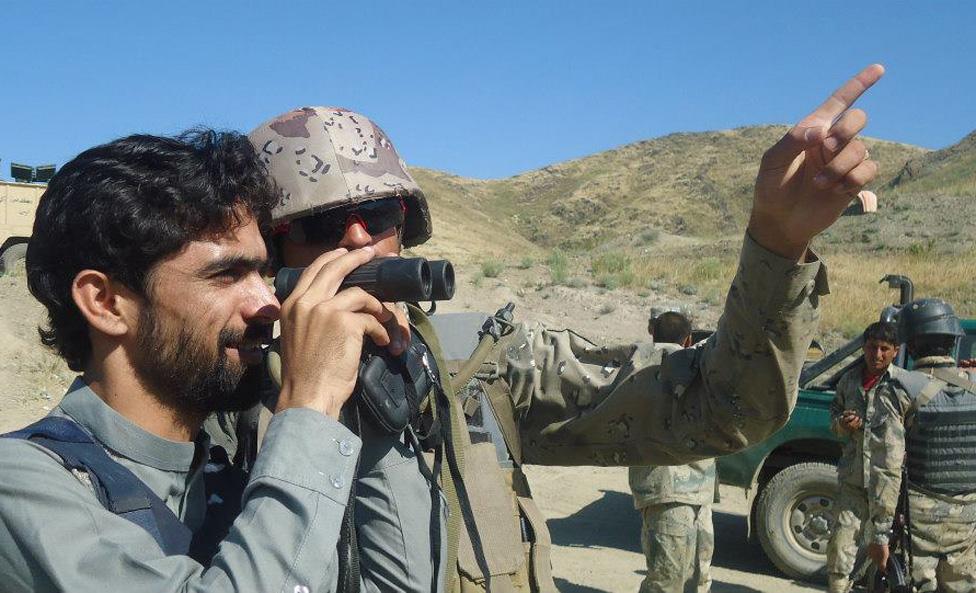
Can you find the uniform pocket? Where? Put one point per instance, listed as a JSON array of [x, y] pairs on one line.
[[496, 516]]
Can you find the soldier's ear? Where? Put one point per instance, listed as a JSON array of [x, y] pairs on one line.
[[109, 307]]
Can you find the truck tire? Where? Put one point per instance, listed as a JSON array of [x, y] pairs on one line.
[[10, 256], [794, 519]]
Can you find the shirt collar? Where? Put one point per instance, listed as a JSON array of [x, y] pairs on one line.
[[123, 437]]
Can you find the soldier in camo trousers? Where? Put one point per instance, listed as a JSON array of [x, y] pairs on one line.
[[853, 404], [675, 502], [925, 419]]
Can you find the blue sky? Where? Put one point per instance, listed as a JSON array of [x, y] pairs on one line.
[[481, 89]]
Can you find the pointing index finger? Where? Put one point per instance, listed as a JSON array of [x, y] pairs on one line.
[[842, 99]]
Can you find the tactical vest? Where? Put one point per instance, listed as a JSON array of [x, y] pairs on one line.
[[941, 436], [124, 494]]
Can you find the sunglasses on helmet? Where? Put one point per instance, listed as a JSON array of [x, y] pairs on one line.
[[329, 227]]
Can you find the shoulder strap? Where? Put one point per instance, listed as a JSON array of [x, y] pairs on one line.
[[504, 413], [117, 488], [931, 389], [953, 378], [456, 441], [224, 483]]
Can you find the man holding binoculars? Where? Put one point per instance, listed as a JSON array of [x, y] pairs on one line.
[[147, 253]]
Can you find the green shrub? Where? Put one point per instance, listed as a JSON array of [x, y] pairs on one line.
[[921, 249], [558, 266], [648, 236], [609, 263], [709, 268], [491, 268], [608, 281]]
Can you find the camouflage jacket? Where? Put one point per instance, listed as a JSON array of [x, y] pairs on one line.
[[935, 518], [854, 460], [689, 484], [577, 403]]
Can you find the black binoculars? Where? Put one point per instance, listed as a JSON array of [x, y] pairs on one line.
[[389, 279]]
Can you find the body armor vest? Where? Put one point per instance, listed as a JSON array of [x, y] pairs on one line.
[[941, 439]]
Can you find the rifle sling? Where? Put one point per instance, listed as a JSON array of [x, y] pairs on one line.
[[455, 441]]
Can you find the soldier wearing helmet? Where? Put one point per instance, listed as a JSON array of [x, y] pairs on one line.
[[926, 420], [556, 397]]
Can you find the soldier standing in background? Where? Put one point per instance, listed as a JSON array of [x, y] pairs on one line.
[[675, 502], [853, 403], [925, 420]]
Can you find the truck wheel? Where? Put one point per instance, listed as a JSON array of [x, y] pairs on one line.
[[10, 256], [795, 515]]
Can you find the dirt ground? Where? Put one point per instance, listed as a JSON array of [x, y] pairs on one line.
[[596, 536], [594, 526]]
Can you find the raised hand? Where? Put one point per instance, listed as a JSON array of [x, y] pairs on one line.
[[808, 178], [322, 333]]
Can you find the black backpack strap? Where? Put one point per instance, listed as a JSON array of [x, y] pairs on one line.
[[224, 483], [117, 488]]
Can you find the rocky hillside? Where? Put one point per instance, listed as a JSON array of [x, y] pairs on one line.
[[696, 185], [947, 172]]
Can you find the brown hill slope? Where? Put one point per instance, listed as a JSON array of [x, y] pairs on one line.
[[693, 184], [949, 172]]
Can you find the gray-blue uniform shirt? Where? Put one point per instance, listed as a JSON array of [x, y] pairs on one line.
[[56, 536]]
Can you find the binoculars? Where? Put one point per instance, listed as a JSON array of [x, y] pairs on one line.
[[389, 279], [390, 389]]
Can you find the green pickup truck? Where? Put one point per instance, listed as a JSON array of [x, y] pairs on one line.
[[791, 477]]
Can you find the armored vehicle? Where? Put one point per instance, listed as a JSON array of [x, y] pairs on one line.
[[18, 201]]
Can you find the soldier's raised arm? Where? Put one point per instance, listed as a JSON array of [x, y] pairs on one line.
[[577, 403]]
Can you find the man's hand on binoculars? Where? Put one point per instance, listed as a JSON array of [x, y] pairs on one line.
[[322, 333]]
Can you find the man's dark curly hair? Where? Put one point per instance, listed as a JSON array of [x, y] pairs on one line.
[[883, 331], [122, 207]]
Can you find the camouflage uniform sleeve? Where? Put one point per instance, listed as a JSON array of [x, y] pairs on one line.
[[580, 404], [839, 404], [887, 445]]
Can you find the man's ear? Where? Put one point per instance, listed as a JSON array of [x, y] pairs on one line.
[[687, 342], [107, 305]]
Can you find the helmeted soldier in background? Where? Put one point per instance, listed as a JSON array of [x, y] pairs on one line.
[[852, 406], [925, 420], [556, 397], [675, 502]]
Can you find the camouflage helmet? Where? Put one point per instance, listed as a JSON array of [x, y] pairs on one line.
[[328, 157], [926, 317]]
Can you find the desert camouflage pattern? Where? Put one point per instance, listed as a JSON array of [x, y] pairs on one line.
[[943, 527], [577, 403], [848, 534], [326, 157], [851, 505], [678, 541], [693, 483], [677, 535], [852, 468]]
